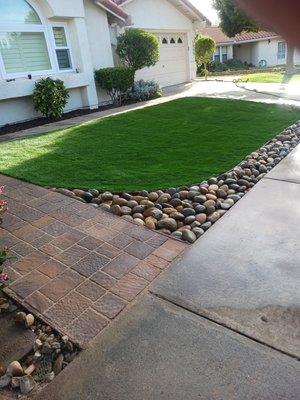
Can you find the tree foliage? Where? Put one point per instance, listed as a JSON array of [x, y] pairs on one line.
[[138, 49], [205, 47], [232, 19]]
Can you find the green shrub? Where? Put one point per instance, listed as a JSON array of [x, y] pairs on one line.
[[138, 49], [217, 66], [236, 64], [116, 81], [144, 90], [50, 97], [205, 47]]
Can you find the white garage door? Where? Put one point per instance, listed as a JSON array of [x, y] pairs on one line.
[[172, 67]]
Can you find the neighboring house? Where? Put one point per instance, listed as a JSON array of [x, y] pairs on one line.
[[257, 48], [70, 39]]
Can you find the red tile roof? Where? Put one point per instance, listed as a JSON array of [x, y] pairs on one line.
[[113, 7], [216, 33]]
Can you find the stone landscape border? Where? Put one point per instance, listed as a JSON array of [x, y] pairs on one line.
[[186, 212]]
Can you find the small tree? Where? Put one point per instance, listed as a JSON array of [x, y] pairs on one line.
[[50, 97], [138, 49], [205, 47]]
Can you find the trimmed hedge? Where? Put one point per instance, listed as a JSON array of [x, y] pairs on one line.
[[116, 81]]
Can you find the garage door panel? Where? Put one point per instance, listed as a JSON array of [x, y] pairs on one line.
[[172, 67]]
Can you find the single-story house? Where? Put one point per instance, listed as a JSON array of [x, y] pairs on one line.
[[70, 39], [261, 48]]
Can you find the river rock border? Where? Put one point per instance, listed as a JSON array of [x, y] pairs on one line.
[[187, 212]]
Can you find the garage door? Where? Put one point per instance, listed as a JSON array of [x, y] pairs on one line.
[[172, 67]]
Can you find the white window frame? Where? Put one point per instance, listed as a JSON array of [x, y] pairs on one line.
[[47, 30], [281, 52], [68, 47]]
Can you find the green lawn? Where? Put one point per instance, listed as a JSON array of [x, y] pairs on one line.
[[267, 77], [180, 142]]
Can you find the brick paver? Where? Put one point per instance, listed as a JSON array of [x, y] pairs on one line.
[[74, 266]]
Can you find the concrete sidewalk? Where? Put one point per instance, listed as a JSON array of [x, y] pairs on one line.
[[221, 323]]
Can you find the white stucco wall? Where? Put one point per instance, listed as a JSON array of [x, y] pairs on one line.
[[243, 52], [15, 96], [162, 16]]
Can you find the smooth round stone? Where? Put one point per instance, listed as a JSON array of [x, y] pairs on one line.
[[243, 182], [183, 194], [132, 203], [221, 194], [147, 203], [210, 196], [189, 220], [200, 209], [209, 203], [144, 193], [225, 206], [200, 199], [96, 201], [107, 196], [172, 191], [185, 228], [262, 169], [194, 188], [177, 216], [198, 232], [177, 235], [229, 201], [175, 202], [167, 223], [78, 192], [214, 217], [192, 194], [120, 201], [213, 181], [234, 197], [201, 218], [153, 212], [213, 187], [87, 196], [105, 207], [94, 192], [222, 212], [116, 209], [150, 224], [127, 218], [126, 196], [195, 224], [158, 206], [231, 191], [206, 226], [136, 215], [188, 211], [138, 221], [230, 181], [189, 236], [203, 190], [164, 198], [139, 209], [153, 196]]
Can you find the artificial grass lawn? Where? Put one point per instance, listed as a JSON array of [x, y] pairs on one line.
[[180, 142], [267, 77]]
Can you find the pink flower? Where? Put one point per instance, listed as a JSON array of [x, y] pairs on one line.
[[4, 277]]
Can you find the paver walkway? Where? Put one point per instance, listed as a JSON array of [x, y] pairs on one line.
[[217, 322], [76, 266]]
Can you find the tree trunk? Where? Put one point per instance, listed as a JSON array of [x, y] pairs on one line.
[[205, 70], [290, 65]]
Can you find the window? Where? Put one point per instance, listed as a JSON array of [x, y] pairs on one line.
[[224, 53], [165, 41], [281, 51], [172, 41], [23, 41], [62, 48], [217, 55], [179, 41]]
